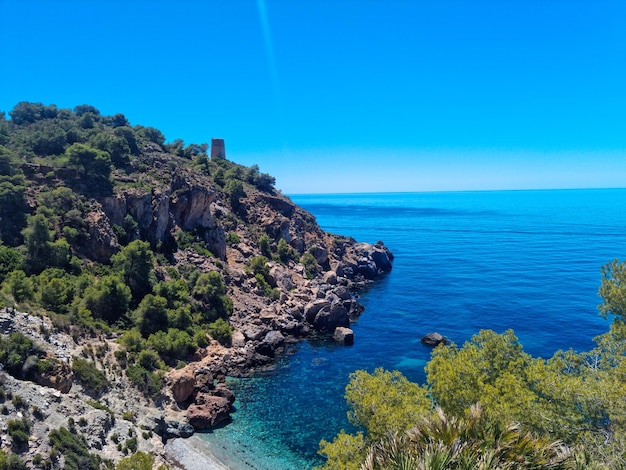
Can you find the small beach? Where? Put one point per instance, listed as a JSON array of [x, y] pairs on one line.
[[192, 454]]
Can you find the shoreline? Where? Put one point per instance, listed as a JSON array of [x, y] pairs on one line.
[[192, 454]]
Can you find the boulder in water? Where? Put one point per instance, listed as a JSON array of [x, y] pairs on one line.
[[434, 339], [344, 336]]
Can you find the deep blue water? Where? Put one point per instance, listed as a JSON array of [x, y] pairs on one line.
[[465, 261]]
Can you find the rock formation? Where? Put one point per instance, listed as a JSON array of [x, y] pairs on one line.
[[434, 339]]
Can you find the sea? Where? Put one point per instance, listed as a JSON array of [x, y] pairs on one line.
[[464, 261]]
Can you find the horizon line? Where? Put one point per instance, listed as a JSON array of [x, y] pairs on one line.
[[453, 191]]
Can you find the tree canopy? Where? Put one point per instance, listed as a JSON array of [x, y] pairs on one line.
[[489, 404]]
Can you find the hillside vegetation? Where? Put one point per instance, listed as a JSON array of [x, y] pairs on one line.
[[123, 257]]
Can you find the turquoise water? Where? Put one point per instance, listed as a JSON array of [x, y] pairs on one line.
[[526, 260]]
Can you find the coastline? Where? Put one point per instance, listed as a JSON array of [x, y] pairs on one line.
[[192, 454]]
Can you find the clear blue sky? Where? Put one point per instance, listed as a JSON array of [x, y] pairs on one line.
[[346, 96]]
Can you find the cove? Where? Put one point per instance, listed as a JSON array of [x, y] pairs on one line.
[[464, 261]]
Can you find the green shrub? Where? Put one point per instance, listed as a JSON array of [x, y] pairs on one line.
[[15, 350], [151, 315], [221, 331], [122, 357], [310, 265], [74, 449], [19, 430], [18, 401], [37, 412], [258, 265], [99, 406], [265, 287], [265, 245], [173, 345], [284, 252], [138, 461], [18, 285], [149, 359], [200, 338], [10, 461], [150, 383], [131, 444], [232, 239], [132, 341], [89, 375]]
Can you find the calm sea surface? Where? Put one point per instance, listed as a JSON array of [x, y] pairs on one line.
[[465, 261]]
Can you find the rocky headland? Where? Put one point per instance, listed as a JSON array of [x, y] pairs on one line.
[[285, 277]]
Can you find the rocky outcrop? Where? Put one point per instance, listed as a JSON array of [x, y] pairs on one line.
[[434, 339], [182, 383], [270, 343], [59, 375], [167, 428], [101, 243], [183, 206], [193, 388], [343, 336], [331, 317], [208, 411], [99, 423]]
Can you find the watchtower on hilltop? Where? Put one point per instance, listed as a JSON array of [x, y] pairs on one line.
[[217, 148]]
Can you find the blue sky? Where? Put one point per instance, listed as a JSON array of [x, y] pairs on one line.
[[346, 96]]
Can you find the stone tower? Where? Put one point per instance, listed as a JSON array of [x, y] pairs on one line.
[[217, 148]]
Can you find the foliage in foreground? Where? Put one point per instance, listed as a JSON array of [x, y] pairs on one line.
[[491, 405], [448, 443]]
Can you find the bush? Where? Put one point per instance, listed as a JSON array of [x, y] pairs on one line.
[[18, 401], [149, 359], [173, 345], [19, 430], [132, 341], [266, 288], [131, 444], [232, 238], [87, 373], [108, 299], [310, 265], [221, 331], [265, 245], [74, 449], [138, 461], [15, 350], [211, 290], [284, 252], [150, 383], [10, 461], [258, 265], [151, 315], [19, 286]]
